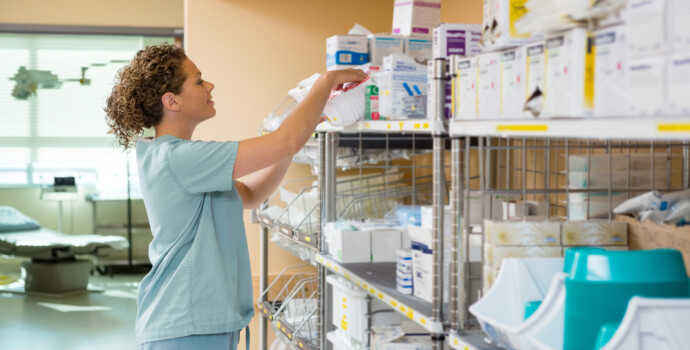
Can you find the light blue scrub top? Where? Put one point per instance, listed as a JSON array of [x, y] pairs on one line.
[[200, 281]]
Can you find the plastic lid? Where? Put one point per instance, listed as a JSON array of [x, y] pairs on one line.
[[643, 266]]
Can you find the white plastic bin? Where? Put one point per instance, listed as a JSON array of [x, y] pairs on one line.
[[501, 313], [349, 309], [653, 323]]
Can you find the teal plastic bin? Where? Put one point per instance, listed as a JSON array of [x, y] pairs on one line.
[[600, 284]]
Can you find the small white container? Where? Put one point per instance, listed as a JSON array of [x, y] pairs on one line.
[[349, 308], [501, 313], [346, 107], [653, 323]]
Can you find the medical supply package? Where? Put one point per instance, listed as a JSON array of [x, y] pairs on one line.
[[679, 21], [535, 75], [346, 51], [646, 85], [465, 89], [393, 86], [456, 39], [416, 17], [402, 63], [646, 27], [489, 86], [499, 24], [569, 75], [371, 102], [610, 75], [381, 45], [678, 84], [419, 47], [512, 83]]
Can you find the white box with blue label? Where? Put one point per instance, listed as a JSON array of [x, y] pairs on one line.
[[402, 63], [381, 45], [419, 48], [343, 51], [393, 86]]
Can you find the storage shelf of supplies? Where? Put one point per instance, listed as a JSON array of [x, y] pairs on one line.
[[378, 280], [289, 336], [652, 128], [298, 248], [422, 126], [474, 340]]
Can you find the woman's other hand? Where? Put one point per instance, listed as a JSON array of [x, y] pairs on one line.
[[342, 76]]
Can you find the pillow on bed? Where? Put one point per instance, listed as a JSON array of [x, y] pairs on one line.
[[13, 220]]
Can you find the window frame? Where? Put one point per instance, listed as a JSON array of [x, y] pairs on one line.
[[11, 28]]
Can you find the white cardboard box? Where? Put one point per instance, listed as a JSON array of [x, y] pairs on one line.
[[456, 39], [646, 85], [348, 246], [416, 17], [381, 45], [422, 269], [393, 86], [646, 27], [678, 84], [385, 244], [419, 48], [678, 16], [610, 76], [489, 86], [402, 63], [567, 78], [465, 98], [346, 50], [513, 83], [535, 73], [499, 21]]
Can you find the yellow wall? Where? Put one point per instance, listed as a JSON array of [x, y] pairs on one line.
[[255, 51], [127, 13]]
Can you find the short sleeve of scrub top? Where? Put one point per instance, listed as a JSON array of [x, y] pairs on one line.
[[200, 281]]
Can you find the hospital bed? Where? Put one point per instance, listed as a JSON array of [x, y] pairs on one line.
[[54, 267]]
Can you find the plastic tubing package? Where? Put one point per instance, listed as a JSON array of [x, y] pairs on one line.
[[670, 208]]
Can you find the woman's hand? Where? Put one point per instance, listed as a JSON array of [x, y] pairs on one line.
[[342, 76]]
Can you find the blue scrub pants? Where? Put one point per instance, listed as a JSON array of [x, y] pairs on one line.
[[218, 341]]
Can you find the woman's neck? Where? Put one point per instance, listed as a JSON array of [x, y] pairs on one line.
[[175, 127]]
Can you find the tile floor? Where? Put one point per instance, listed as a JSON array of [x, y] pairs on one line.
[[25, 323]]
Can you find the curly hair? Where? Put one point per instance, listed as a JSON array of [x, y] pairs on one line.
[[135, 102]]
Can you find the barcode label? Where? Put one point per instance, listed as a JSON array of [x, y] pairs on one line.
[[345, 58]]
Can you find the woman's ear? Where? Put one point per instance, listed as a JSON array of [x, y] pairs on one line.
[[170, 102]]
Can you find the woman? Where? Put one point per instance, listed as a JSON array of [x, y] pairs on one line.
[[198, 294]]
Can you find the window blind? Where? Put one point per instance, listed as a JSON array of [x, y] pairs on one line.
[[62, 131]]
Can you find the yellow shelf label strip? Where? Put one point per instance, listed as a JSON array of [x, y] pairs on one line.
[[673, 127], [522, 128]]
